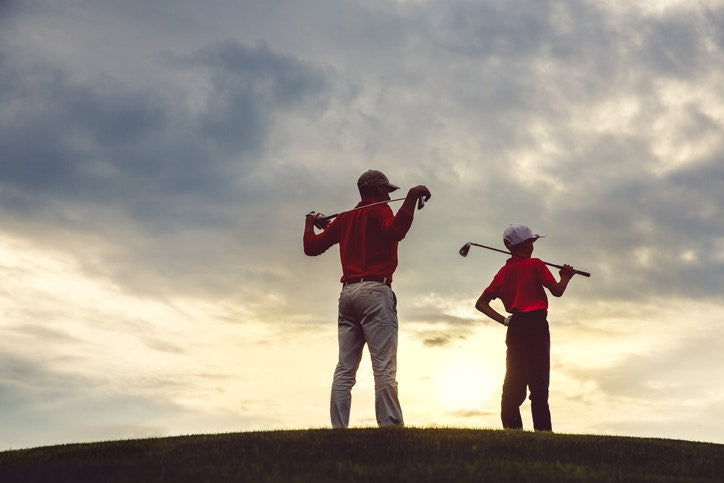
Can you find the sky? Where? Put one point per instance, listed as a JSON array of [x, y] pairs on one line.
[[157, 160]]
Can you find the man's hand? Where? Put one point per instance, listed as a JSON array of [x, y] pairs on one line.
[[317, 220], [419, 193]]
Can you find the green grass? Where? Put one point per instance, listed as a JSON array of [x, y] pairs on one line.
[[410, 454]]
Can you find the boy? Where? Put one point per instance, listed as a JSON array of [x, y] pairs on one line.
[[519, 284]]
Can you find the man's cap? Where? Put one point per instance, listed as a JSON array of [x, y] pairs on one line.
[[375, 178], [517, 233]]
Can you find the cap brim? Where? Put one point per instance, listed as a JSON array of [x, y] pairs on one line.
[[391, 187], [534, 238]]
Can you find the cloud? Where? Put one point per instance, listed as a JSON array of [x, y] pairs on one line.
[[166, 158], [245, 86], [667, 373], [138, 169], [472, 414], [38, 401], [439, 338], [194, 160], [106, 139], [44, 406]]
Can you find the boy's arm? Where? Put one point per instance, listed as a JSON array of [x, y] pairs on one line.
[[483, 305], [558, 288]]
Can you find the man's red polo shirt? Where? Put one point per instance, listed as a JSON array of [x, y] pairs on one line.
[[367, 240]]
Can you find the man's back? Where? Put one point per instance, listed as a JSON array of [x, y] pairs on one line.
[[367, 240]]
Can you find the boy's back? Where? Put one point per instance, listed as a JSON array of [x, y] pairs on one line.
[[519, 285]]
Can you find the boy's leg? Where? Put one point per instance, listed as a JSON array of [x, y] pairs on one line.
[[514, 385], [539, 370], [351, 342], [379, 323]]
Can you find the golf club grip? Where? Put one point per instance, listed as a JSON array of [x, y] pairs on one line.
[[579, 272]]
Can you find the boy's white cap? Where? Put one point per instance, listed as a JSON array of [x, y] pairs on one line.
[[516, 233]]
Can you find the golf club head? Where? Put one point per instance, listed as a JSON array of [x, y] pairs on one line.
[[465, 249]]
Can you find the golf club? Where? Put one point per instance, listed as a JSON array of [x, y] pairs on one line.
[[420, 204], [466, 248]]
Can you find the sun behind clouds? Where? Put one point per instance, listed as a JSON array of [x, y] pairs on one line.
[[465, 382]]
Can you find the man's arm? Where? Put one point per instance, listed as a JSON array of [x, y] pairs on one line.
[[483, 305], [403, 219], [414, 194], [317, 244]]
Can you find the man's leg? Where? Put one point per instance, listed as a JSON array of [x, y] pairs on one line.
[[379, 322], [351, 341], [514, 386]]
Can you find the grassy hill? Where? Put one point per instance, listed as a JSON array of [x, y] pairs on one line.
[[410, 454]]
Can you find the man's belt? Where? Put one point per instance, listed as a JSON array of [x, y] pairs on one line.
[[368, 278]]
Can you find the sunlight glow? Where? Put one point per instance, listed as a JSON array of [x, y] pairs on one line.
[[464, 382]]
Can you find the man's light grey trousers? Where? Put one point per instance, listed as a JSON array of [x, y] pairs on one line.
[[367, 314]]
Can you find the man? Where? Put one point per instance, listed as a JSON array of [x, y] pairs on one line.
[[368, 239]]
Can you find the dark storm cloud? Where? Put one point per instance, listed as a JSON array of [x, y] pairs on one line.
[[247, 84], [7, 7], [58, 136], [89, 156], [104, 141]]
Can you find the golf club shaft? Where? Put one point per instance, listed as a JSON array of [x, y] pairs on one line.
[[579, 272], [360, 207]]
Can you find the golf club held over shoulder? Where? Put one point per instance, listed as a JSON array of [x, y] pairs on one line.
[[466, 248], [420, 205]]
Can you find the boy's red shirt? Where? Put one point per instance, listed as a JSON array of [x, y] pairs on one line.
[[519, 284], [367, 240]]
